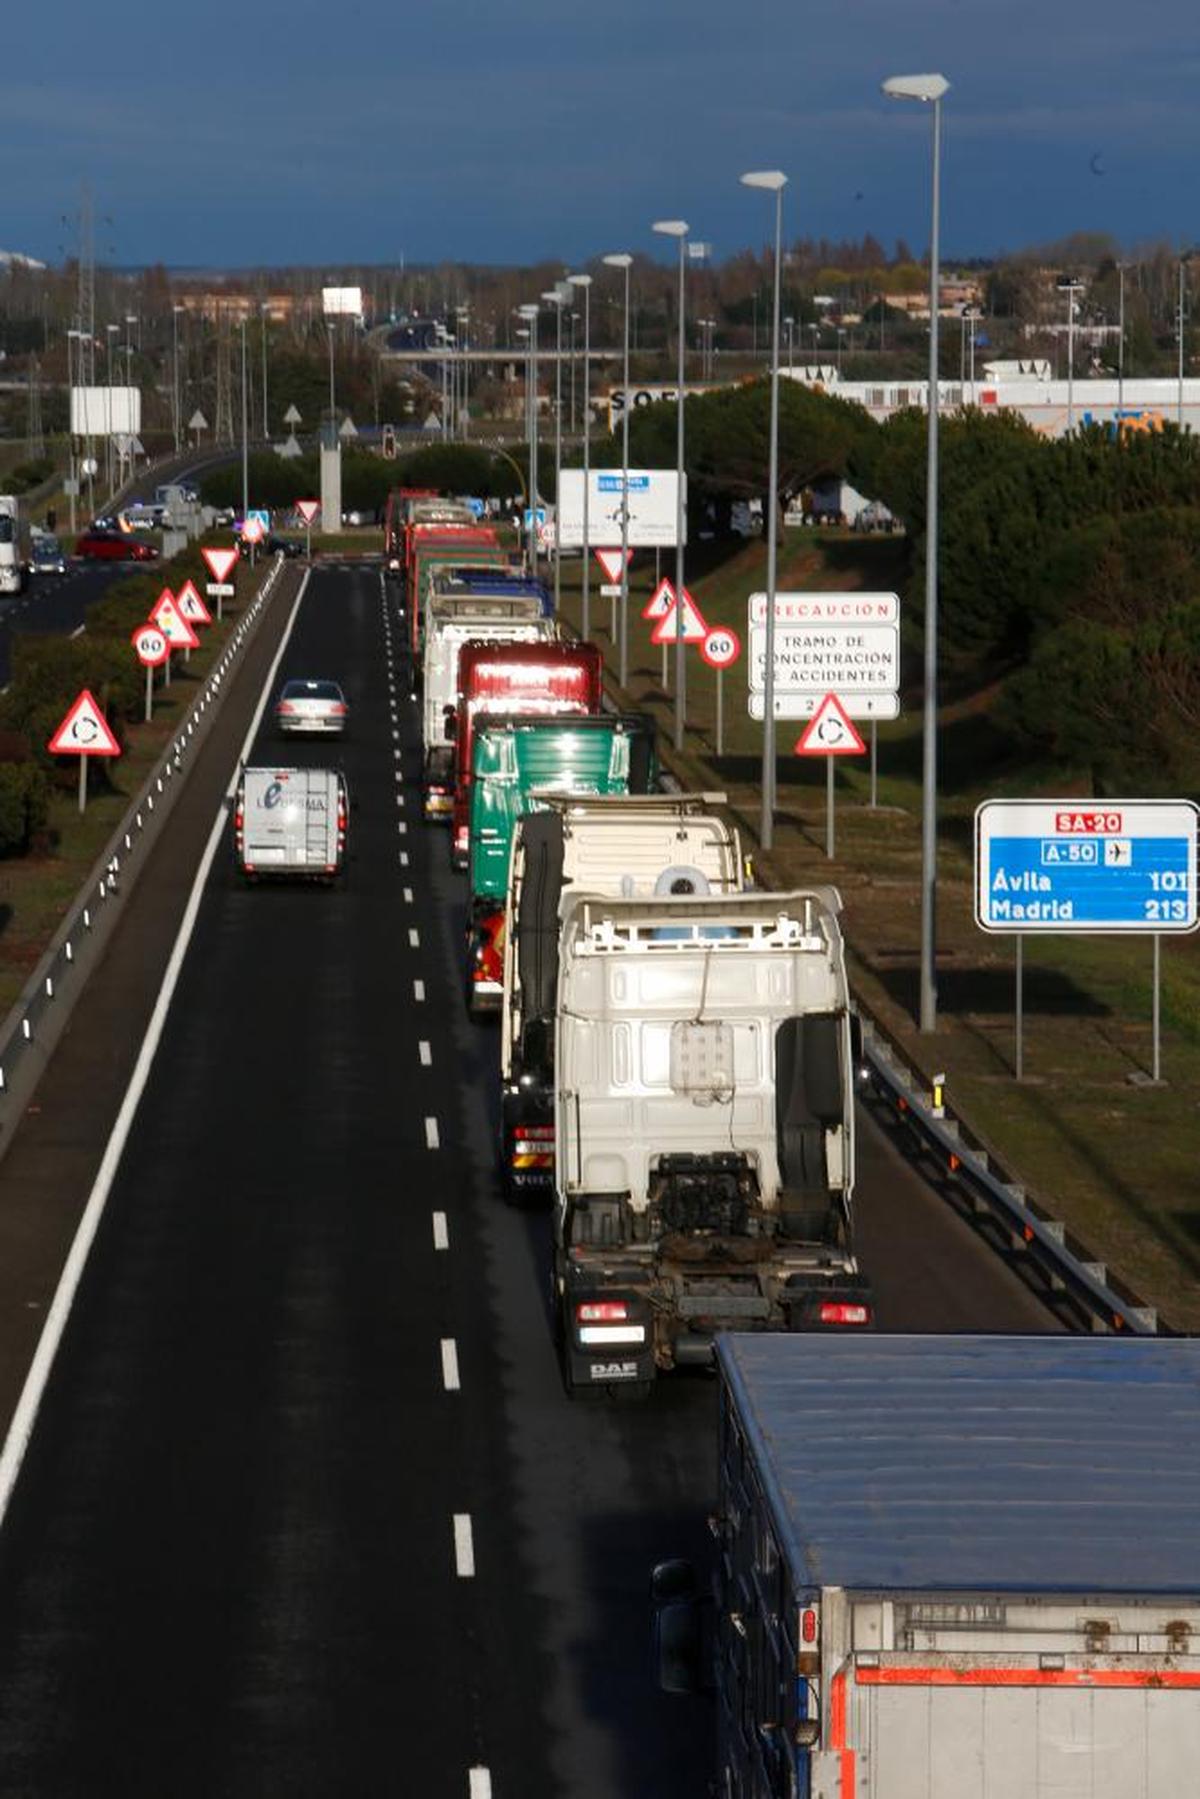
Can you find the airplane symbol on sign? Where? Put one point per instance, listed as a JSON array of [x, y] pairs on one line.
[[1118, 853]]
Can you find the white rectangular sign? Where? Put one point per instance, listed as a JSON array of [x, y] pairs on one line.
[[106, 411], [1086, 865], [843, 643], [342, 302], [805, 704], [652, 507]]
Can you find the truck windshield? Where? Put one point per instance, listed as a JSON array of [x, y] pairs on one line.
[[6, 528]]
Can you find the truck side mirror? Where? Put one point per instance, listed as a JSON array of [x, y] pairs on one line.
[[682, 1629]]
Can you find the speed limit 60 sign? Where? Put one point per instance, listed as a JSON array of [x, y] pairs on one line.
[[722, 647], [151, 646]]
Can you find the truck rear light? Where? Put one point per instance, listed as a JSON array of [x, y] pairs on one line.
[[462, 840], [534, 1133], [239, 819], [808, 1625], [842, 1311], [601, 1311]]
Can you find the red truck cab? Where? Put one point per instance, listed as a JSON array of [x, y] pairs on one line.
[[526, 678]]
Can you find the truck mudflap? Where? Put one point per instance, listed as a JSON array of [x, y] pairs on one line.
[[527, 1145], [607, 1340], [437, 786], [485, 960]]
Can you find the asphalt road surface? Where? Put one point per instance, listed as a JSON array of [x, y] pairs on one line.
[[55, 604], [306, 1511]]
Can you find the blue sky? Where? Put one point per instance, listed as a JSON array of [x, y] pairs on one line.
[[230, 134]]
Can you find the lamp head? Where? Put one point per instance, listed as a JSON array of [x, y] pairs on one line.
[[527, 312], [915, 87], [670, 227], [770, 179], [580, 280], [620, 259]]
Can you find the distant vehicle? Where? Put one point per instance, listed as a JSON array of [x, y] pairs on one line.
[[360, 515], [47, 557], [310, 706], [99, 545], [291, 821], [874, 516], [14, 546], [283, 546], [141, 516]]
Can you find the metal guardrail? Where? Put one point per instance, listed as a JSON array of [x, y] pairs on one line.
[[1066, 1268], [33, 1025]]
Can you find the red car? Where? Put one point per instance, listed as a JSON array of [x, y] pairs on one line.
[[96, 544]]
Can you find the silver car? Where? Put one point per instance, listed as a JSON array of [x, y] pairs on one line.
[[316, 707], [46, 557]]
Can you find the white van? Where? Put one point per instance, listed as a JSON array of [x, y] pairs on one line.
[[291, 821]]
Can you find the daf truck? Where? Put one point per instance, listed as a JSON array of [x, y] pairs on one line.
[[704, 1128], [948, 1568], [574, 844]]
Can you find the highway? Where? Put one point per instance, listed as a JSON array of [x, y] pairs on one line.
[[55, 604], [306, 1510]]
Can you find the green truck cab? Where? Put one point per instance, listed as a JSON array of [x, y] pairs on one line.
[[514, 759]]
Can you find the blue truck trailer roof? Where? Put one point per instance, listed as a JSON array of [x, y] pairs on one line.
[[977, 1464], [495, 581]]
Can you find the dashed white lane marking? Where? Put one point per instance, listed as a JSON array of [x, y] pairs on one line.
[[450, 1378], [408, 898], [432, 1140], [395, 736], [481, 1783], [404, 858], [400, 824], [397, 753], [464, 1546], [425, 1051], [441, 1231], [414, 937], [418, 990]]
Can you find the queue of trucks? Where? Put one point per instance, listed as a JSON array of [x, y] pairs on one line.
[[677, 1058]]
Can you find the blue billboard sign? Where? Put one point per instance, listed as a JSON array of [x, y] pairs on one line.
[[1086, 865]]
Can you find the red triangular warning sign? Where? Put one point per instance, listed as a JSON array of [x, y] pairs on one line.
[[308, 510], [192, 606], [830, 732], [694, 629], [660, 601], [610, 562], [166, 615], [84, 731]]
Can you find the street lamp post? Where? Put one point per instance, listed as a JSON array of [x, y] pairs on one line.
[[557, 296], [621, 259], [1183, 261], [263, 310], [677, 228], [177, 409], [1068, 285], [789, 327], [584, 282], [110, 331], [929, 89], [772, 181], [1120, 347], [530, 315]]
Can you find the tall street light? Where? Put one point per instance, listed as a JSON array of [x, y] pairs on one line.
[[176, 408], [621, 259], [929, 89], [771, 181], [558, 296], [246, 438], [1183, 262], [584, 282], [530, 315], [1120, 347], [263, 310], [677, 229], [1068, 285]]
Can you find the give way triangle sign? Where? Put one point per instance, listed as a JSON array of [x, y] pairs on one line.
[[610, 562], [830, 732], [220, 562]]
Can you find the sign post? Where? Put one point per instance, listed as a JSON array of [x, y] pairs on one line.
[[657, 606], [84, 732], [675, 620], [308, 510], [166, 615], [830, 732], [611, 562], [152, 651], [1063, 866], [221, 564], [721, 649]]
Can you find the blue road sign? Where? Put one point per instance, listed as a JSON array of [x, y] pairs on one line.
[[1086, 865]]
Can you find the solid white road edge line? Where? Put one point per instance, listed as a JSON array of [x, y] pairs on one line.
[[450, 1378], [25, 1416], [464, 1546]]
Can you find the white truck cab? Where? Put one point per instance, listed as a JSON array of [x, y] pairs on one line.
[[291, 822]]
